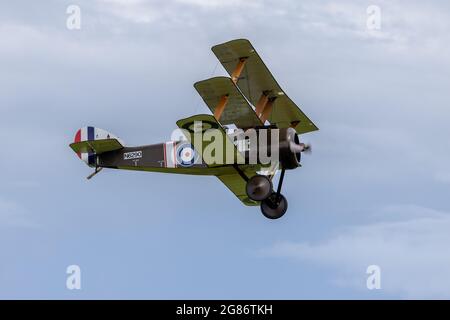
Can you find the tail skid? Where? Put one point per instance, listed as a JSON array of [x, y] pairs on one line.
[[97, 170]]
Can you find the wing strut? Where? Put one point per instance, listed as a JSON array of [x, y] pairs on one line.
[[238, 70], [267, 111], [220, 107], [224, 99], [263, 108], [262, 102]]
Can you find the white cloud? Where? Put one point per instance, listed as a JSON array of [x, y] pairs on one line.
[[137, 11], [412, 252], [221, 3], [181, 12]]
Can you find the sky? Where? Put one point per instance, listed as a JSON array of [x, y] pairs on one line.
[[374, 191]]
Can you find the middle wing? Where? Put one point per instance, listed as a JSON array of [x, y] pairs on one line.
[[227, 103]]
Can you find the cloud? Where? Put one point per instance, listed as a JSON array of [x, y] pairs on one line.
[[136, 11], [404, 24], [379, 98], [410, 246], [220, 3]]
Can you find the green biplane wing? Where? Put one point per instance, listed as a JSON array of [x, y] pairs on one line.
[[256, 79], [238, 111]]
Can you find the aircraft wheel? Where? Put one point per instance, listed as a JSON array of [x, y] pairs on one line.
[[258, 187], [274, 207]]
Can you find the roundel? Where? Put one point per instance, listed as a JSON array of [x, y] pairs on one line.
[[186, 155]]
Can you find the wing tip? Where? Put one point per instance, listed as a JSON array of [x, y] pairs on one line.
[[217, 78], [213, 48]]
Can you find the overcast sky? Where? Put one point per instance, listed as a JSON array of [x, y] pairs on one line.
[[374, 191]]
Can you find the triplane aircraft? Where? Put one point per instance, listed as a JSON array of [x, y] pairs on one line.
[[252, 117]]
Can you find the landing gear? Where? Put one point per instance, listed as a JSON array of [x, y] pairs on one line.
[[259, 187], [275, 206]]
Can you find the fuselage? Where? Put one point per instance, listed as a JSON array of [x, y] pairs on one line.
[[169, 157]]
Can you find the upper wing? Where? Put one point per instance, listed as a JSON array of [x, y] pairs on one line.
[[256, 82], [227, 103]]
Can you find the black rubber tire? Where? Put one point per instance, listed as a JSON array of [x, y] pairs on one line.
[[259, 187], [274, 207]]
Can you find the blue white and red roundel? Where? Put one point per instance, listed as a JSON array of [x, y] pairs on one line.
[[186, 155]]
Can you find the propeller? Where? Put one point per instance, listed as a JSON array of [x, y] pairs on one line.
[[300, 147]]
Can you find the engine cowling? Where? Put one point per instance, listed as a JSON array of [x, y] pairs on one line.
[[290, 148]]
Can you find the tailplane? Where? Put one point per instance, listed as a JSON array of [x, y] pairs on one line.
[[91, 141]]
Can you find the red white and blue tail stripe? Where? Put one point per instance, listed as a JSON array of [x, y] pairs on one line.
[[91, 134]]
